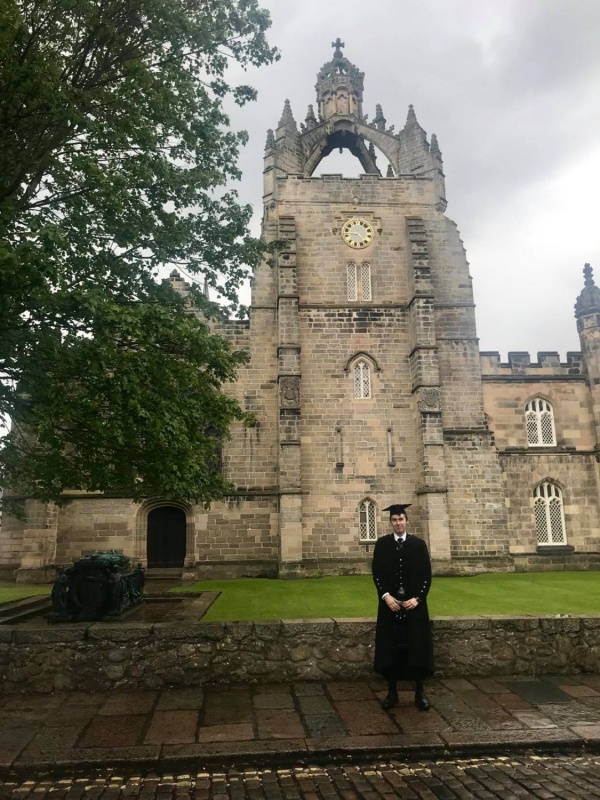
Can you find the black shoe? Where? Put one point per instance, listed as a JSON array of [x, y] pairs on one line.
[[421, 702], [390, 701]]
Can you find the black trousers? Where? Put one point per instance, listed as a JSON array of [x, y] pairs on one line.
[[400, 669]]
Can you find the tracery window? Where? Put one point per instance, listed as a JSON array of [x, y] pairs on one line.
[[359, 281], [362, 380], [367, 521], [549, 514], [539, 418]]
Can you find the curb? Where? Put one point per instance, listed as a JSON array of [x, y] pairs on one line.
[[282, 754]]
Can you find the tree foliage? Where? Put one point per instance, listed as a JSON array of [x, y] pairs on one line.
[[113, 139]]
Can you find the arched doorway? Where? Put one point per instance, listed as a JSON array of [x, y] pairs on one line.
[[166, 537]]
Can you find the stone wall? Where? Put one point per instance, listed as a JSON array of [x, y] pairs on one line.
[[93, 657]]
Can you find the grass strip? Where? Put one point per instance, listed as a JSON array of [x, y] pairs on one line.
[[504, 594]]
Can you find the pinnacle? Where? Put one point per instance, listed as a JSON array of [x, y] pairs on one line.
[[411, 117], [435, 148], [270, 139], [287, 118], [588, 301]]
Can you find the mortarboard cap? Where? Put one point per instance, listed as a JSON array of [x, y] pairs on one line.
[[398, 508]]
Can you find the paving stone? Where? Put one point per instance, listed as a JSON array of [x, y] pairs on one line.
[[562, 713], [121, 703], [533, 719], [308, 689], [49, 740], [477, 699], [538, 691], [279, 724], [13, 740], [579, 690], [591, 733], [323, 725], [226, 733], [113, 731], [175, 727], [592, 680], [70, 715], [512, 702], [349, 691], [498, 719], [457, 684], [489, 685], [410, 719], [180, 699], [315, 704], [273, 700], [223, 707], [364, 717]]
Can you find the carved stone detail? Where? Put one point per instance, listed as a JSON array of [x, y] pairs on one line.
[[429, 399], [289, 388]]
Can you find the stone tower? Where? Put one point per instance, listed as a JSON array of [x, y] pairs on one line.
[[372, 285], [587, 314]]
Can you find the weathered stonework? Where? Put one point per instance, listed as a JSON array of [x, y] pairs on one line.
[[101, 656], [444, 426]]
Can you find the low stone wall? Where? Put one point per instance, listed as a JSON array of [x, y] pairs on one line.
[[100, 656]]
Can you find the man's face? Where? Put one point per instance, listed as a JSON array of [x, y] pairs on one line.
[[398, 523]]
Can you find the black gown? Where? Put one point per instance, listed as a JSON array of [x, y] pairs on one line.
[[403, 640]]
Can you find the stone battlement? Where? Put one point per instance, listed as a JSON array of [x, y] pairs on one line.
[[519, 364]]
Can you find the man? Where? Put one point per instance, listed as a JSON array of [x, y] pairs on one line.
[[403, 642]]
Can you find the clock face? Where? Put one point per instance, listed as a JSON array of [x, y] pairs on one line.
[[357, 233]]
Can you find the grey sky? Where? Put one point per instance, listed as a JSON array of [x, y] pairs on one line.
[[511, 88]]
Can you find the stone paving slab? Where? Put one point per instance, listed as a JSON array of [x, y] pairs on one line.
[[241, 724]]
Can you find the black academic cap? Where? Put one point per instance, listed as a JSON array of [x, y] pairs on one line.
[[398, 508]]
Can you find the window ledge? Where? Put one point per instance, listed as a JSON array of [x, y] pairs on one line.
[[554, 549]]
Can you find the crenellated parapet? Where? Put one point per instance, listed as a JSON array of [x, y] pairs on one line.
[[520, 366]]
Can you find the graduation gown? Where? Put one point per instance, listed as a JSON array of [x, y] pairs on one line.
[[411, 568]]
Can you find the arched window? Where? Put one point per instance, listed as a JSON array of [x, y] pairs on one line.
[[539, 417], [549, 514], [367, 521], [359, 281], [362, 380]]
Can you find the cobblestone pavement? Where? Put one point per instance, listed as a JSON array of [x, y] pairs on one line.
[[558, 777], [293, 723]]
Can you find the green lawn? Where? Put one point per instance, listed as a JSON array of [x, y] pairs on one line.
[[354, 596], [17, 592]]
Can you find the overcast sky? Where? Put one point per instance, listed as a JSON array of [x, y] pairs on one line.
[[512, 90]]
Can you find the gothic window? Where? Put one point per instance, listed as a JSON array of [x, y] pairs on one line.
[[367, 522], [549, 514], [362, 380], [359, 281], [539, 417]]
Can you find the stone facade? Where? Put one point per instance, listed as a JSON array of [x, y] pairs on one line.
[[367, 386], [98, 657]]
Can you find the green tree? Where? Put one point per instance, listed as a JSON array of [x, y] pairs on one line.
[[114, 154]]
